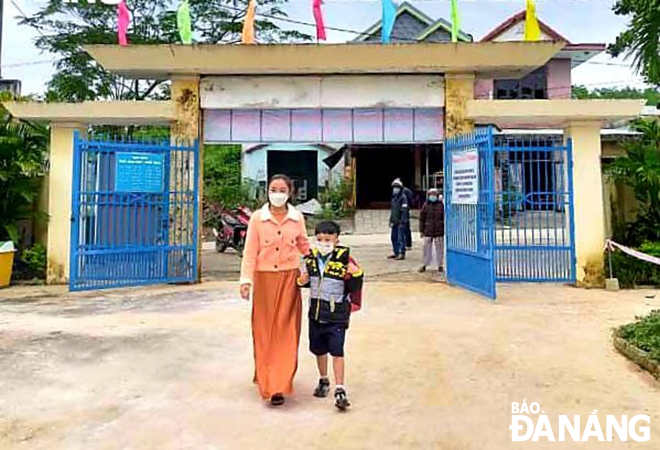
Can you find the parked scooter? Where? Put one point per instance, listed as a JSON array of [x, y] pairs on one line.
[[231, 230]]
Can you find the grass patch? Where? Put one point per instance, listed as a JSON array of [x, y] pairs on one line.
[[644, 334]]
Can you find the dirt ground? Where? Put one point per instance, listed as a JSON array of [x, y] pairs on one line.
[[429, 366]]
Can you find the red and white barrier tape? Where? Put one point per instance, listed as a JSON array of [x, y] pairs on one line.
[[611, 246]]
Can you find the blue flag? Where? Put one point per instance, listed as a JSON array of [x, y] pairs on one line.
[[389, 15]]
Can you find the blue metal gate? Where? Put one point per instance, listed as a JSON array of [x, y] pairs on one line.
[[534, 209], [470, 211], [134, 213]]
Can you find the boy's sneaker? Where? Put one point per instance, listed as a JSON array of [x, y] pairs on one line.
[[422, 269], [322, 388], [341, 399]]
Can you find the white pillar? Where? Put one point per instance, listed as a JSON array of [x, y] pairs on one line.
[[60, 179], [588, 201]]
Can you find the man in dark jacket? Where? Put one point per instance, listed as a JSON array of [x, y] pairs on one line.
[[399, 220], [408, 193], [432, 228]]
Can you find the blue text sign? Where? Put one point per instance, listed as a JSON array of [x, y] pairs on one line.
[[139, 172]]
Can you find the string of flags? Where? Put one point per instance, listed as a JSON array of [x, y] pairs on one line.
[[389, 13]]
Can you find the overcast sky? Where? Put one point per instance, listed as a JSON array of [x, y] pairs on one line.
[[590, 21]]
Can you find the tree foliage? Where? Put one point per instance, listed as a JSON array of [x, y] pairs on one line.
[[222, 177], [652, 96], [23, 150], [642, 37], [64, 28], [640, 169]]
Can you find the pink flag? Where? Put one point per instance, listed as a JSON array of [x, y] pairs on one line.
[[318, 17], [123, 17]]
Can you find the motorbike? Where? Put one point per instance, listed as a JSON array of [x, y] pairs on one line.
[[231, 229]]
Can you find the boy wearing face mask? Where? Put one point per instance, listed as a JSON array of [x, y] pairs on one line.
[[335, 283], [432, 228]]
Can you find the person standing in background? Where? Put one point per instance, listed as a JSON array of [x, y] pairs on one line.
[[432, 229], [399, 220], [408, 193]]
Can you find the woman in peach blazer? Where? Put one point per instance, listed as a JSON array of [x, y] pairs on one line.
[[276, 238]]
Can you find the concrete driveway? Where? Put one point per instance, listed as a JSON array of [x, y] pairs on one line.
[[429, 366], [371, 252]]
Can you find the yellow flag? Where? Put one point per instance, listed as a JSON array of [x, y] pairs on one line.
[[248, 25], [532, 29]]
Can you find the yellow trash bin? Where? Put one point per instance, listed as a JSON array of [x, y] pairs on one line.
[[6, 262]]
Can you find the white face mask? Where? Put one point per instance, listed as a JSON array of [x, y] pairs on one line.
[[278, 199], [325, 248]]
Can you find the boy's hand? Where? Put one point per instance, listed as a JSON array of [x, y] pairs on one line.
[[352, 268], [303, 278], [245, 291]]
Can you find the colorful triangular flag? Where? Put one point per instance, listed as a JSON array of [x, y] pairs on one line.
[[455, 21], [532, 29], [387, 22], [318, 18], [248, 26], [183, 22], [123, 18]]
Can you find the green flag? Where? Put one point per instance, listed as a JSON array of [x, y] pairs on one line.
[[455, 21], [183, 22]]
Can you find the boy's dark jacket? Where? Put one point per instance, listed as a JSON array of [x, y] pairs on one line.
[[432, 219], [335, 292]]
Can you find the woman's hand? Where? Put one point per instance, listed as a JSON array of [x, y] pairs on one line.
[[245, 291], [303, 278]]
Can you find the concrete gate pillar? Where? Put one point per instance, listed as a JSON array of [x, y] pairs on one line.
[[588, 201], [60, 184], [459, 89], [186, 127]]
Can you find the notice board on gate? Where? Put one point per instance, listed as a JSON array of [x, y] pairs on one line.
[[465, 177], [139, 172]]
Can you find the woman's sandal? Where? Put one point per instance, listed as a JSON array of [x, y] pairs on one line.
[[277, 400]]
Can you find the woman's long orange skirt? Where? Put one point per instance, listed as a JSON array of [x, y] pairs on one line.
[[276, 315]]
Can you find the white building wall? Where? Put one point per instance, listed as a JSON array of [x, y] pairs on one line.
[[336, 91]]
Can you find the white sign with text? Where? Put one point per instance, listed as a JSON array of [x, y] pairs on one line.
[[465, 177]]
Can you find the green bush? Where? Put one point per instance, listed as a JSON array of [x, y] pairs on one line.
[[335, 199], [633, 272], [31, 263], [640, 170], [222, 177], [644, 334], [23, 156]]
